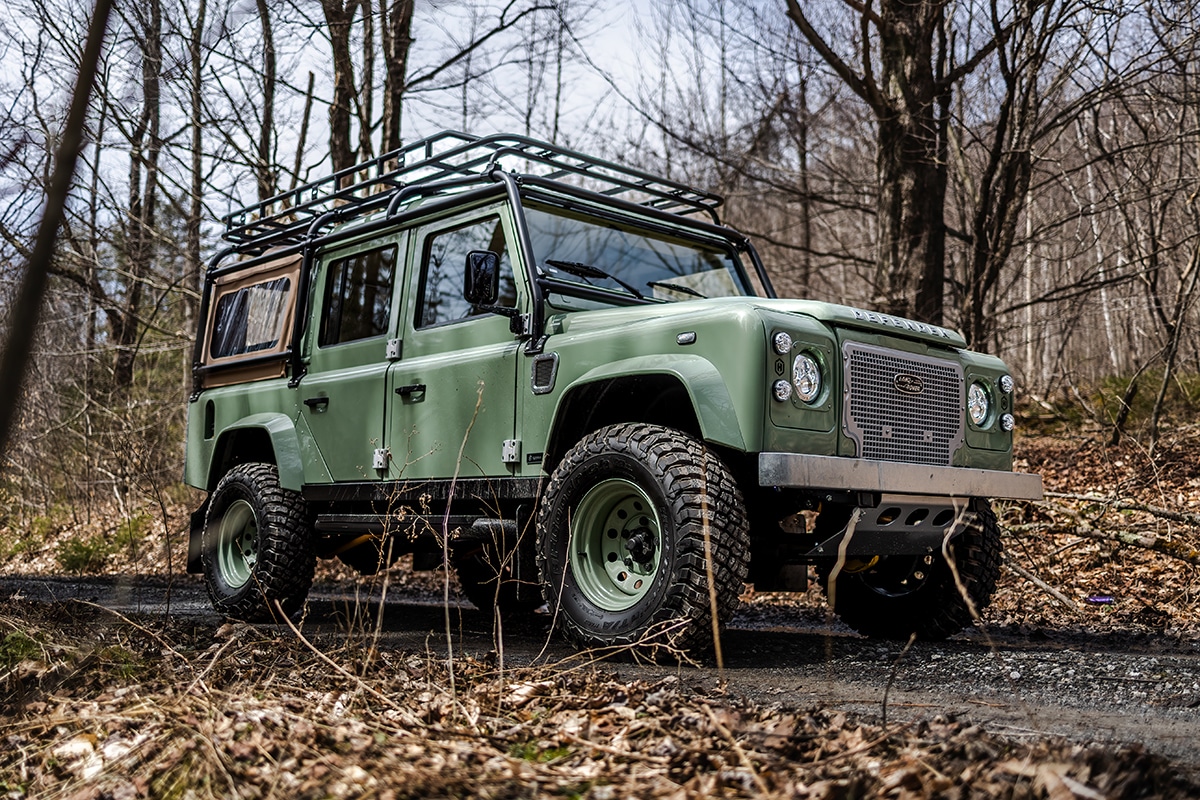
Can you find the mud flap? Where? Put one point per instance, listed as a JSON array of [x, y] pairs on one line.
[[196, 531]]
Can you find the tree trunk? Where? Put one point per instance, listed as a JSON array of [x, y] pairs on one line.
[[910, 169], [339, 16], [265, 168], [364, 98], [395, 26], [143, 197], [192, 258], [909, 99]]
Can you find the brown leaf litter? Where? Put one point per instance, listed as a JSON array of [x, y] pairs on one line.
[[105, 709]]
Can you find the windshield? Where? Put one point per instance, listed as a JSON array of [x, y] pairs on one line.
[[660, 267]]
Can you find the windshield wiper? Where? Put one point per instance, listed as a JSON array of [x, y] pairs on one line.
[[676, 287], [588, 271]]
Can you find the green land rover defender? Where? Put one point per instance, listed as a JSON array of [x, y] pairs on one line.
[[568, 381]]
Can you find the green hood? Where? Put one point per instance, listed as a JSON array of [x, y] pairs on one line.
[[828, 313]]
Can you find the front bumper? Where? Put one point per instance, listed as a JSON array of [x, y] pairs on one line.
[[796, 470]]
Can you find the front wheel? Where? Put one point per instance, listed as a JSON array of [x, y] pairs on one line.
[[256, 546], [894, 597], [622, 534]]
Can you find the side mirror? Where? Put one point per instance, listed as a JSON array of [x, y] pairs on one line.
[[481, 279]]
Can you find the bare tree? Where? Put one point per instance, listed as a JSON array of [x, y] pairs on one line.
[[1030, 108], [395, 28], [1149, 138], [905, 77], [265, 172], [23, 324], [339, 16]]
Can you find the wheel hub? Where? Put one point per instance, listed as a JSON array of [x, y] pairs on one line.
[[641, 546]]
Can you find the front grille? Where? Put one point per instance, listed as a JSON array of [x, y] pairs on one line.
[[902, 407]]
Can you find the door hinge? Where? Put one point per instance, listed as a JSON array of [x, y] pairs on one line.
[[510, 451], [381, 458], [393, 349]]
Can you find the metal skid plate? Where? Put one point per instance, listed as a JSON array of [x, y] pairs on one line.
[[898, 526]]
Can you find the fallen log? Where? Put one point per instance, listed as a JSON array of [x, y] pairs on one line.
[[1174, 548]]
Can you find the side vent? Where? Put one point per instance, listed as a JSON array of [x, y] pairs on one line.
[[210, 420], [545, 370]]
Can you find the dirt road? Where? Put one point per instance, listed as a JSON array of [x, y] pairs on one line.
[[1108, 689]]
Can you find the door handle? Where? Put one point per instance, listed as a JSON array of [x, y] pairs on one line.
[[316, 403], [410, 389]]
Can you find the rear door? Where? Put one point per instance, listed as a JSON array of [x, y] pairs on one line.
[[343, 396]]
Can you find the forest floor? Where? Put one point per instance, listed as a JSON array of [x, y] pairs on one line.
[[96, 704]]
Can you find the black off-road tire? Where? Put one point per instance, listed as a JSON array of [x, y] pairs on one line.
[[873, 603], [686, 484], [257, 545]]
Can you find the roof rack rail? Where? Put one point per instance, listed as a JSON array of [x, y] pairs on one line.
[[286, 217]]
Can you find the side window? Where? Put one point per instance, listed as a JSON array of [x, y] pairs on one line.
[[358, 296], [250, 318], [444, 260]]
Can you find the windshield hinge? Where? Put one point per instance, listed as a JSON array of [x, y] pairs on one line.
[[536, 346]]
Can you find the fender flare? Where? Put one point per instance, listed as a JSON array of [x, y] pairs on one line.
[[706, 388], [285, 443]]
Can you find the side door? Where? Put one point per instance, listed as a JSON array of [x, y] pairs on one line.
[[343, 396], [453, 388]]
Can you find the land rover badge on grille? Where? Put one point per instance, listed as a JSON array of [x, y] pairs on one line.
[[908, 384]]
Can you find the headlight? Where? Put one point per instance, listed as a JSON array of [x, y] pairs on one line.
[[978, 404], [806, 377]]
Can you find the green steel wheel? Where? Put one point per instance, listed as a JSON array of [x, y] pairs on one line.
[[237, 543], [616, 540], [256, 549], [622, 532]]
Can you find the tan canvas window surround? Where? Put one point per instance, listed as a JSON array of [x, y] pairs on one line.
[[250, 316]]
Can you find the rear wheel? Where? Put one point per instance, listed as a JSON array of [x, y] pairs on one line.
[[893, 597], [621, 539], [256, 546]]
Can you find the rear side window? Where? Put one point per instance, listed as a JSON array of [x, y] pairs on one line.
[[249, 325], [358, 296], [250, 319]]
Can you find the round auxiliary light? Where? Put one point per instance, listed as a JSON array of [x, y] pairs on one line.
[[1006, 384], [782, 343], [806, 376], [782, 390], [1008, 422], [978, 404]]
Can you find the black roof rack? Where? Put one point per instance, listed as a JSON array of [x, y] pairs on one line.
[[286, 217]]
